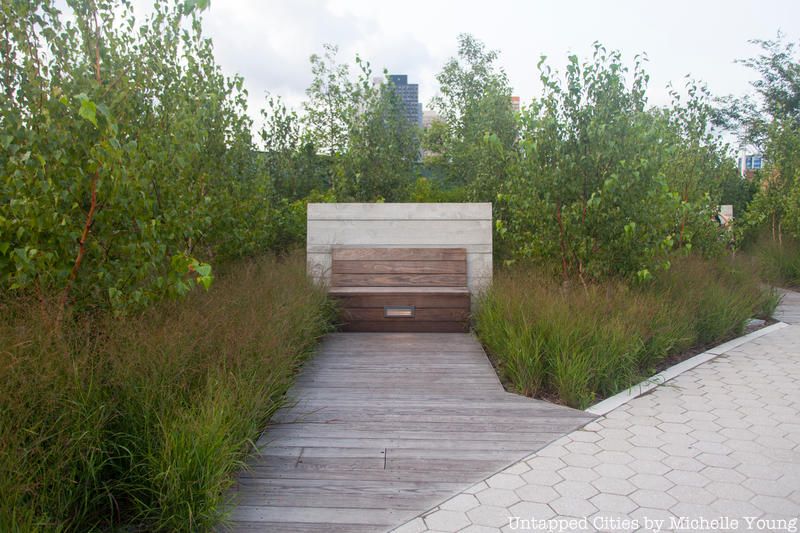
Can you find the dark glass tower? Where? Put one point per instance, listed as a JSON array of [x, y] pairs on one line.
[[409, 94]]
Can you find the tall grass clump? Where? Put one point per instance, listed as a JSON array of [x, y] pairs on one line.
[[576, 344], [142, 422], [779, 262]]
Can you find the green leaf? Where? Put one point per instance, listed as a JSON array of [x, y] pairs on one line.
[[205, 281], [88, 111], [203, 269]]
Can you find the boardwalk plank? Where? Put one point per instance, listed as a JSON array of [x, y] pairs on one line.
[[381, 426]]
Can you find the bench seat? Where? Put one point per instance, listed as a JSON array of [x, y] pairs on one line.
[[401, 289]]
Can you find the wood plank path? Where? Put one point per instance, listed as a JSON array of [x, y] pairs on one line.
[[383, 426], [789, 309]]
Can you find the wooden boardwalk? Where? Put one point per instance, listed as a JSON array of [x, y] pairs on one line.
[[385, 426]]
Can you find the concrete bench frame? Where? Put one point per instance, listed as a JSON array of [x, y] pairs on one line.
[[401, 276]]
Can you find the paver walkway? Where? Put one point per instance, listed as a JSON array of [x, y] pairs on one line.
[[715, 449], [387, 425]]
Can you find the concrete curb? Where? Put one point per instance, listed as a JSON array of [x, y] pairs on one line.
[[611, 403]]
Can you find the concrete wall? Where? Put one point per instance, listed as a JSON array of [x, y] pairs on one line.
[[402, 226]]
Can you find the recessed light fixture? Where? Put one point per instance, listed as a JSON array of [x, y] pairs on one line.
[[399, 311]]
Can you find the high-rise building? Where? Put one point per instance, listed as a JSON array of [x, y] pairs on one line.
[[515, 104], [409, 94]]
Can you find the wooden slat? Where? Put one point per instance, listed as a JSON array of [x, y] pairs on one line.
[[395, 280], [417, 300], [399, 254], [399, 267], [418, 326], [436, 314], [341, 291]]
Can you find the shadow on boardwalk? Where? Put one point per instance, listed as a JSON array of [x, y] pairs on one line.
[[385, 426]]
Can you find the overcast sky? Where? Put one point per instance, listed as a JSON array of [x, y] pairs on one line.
[[269, 41]]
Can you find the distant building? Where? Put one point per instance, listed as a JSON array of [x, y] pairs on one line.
[[749, 161], [515, 104], [429, 117], [409, 94]]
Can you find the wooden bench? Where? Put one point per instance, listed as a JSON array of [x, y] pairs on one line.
[[401, 289]]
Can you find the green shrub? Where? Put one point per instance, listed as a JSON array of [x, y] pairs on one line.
[[143, 422], [576, 343]]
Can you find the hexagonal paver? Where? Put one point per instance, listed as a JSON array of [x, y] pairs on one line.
[[695, 495], [648, 467], [729, 491], [531, 510], [735, 508], [653, 498], [569, 506], [614, 445], [648, 518], [576, 473], [537, 493], [505, 481], [612, 485], [576, 489], [590, 436], [679, 450], [613, 457], [721, 461], [683, 478], [415, 526], [462, 502], [759, 471], [476, 488], [782, 487], [722, 474], [613, 470], [446, 520], [775, 505], [580, 447], [489, 515], [688, 464], [517, 469], [475, 528], [613, 503], [651, 482], [545, 463], [542, 477], [500, 497]]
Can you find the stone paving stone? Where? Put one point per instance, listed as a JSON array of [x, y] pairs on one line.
[[489, 515], [462, 502], [722, 439], [577, 489], [611, 485], [537, 493], [494, 496], [572, 506], [531, 510], [474, 528], [415, 526], [446, 520]]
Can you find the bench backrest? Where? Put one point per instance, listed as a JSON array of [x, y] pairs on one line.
[[399, 267]]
